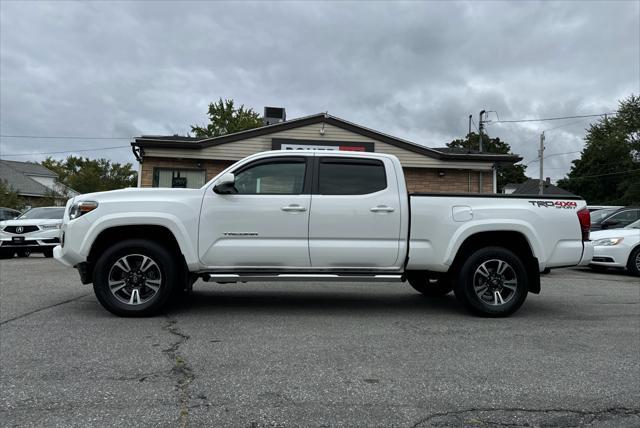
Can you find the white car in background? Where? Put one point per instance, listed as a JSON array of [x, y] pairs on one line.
[[35, 231], [617, 248]]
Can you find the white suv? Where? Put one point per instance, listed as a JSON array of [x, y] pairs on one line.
[[35, 231]]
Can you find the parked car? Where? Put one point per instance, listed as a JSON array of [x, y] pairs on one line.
[[598, 215], [319, 216], [617, 248], [8, 213], [616, 219], [35, 231], [593, 208]]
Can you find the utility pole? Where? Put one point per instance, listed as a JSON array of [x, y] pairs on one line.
[[480, 128], [541, 154], [469, 134]]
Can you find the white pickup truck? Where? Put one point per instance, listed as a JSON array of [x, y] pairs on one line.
[[319, 216]]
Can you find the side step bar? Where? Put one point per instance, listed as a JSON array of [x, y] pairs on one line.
[[233, 277]]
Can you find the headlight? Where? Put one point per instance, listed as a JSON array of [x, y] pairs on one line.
[[607, 242], [81, 208], [49, 226]]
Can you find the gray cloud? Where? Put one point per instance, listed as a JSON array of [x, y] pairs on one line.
[[415, 70]]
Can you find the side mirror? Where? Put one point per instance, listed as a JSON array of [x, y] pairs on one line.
[[609, 223], [224, 185]]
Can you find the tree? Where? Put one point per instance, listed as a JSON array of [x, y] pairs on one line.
[[608, 170], [9, 198], [505, 174], [224, 118], [92, 175]]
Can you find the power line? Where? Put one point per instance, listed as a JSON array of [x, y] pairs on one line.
[[551, 155], [566, 124], [66, 137], [550, 118], [603, 175], [67, 151], [599, 164]]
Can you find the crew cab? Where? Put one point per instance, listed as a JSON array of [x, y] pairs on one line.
[[319, 216]]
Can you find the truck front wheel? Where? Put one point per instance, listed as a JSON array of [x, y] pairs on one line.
[[135, 277], [492, 282]]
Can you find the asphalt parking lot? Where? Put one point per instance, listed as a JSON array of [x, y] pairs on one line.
[[318, 355]]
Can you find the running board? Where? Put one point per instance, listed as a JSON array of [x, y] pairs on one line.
[[233, 277]]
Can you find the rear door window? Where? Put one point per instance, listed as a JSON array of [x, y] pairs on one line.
[[349, 176]]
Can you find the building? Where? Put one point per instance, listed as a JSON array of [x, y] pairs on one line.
[[173, 161], [531, 187], [34, 183]]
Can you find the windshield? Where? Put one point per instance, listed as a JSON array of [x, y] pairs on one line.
[[634, 225], [598, 215], [43, 213]]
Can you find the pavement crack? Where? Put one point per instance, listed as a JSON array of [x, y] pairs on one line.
[[35, 311], [509, 417], [180, 370]]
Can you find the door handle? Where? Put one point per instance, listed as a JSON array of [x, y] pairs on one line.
[[294, 208], [382, 209]]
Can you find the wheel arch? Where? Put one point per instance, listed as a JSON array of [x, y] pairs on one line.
[[159, 234], [511, 240], [633, 250]]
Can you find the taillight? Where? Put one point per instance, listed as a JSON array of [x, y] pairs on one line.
[[585, 223]]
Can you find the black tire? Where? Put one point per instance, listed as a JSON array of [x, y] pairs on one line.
[[23, 253], [165, 272], [6, 254], [634, 262], [48, 253], [479, 279], [428, 286]]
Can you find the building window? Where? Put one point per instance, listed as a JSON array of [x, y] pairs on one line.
[[189, 178]]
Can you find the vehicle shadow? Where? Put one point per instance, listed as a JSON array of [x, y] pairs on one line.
[[606, 271], [315, 302]]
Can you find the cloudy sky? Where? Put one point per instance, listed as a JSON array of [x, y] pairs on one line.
[[415, 70]]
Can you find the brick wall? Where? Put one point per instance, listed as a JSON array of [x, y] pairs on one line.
[[418, 179], [212, 167], [453, 180]]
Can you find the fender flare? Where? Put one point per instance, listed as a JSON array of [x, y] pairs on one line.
[[487, 226], [168, 221]]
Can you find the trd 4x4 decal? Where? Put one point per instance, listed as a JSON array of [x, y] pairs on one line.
[[557, 204]]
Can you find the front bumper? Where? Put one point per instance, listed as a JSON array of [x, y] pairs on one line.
[[67, 257], [68, 253], [612, 256], [29, 243]]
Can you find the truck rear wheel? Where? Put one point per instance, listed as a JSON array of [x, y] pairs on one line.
[[429, 286], [492, 282], [135, 278]]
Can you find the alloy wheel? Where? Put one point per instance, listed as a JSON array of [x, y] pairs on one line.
[[134, 279], [495, 282]]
